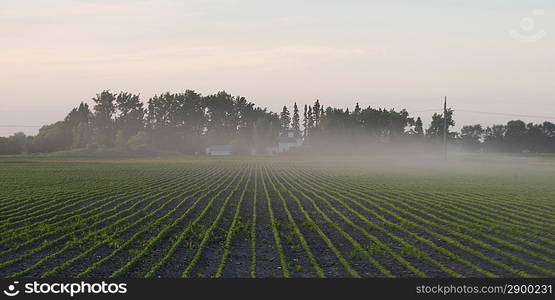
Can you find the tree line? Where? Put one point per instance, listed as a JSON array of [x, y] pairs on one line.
[[188, 122]]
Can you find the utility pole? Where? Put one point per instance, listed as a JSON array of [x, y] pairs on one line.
[[445, 127]]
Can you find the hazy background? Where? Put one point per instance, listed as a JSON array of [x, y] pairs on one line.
[[401, 54]]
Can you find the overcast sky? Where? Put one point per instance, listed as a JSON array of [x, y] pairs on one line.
[[488, 56]]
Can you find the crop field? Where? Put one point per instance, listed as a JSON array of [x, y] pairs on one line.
[[275, 217]]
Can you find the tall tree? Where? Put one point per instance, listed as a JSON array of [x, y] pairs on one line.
[[104, 111], [266, 129], [130, 116], [296, 119], [221, 124], [14, 144], [53, 137], [398, 121], [80, 114], [285, 118], [357, 110], [418, 129], [310, 121], [436, 126], [244, 112], [80, 122], [316, 113], [305, 120], [548, 130], [471, 136], [514, 135], [535, 140], [494, 139]]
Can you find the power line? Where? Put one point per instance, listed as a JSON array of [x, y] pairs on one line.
[[506, 114], [487, 113], [426, 110], [25, 126]]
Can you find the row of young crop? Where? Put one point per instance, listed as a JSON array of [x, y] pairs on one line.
[[179, 240], [45, 190], [58, 269], [118, 218], [344, 225], [153, 222], [445, 213], [147, 205], [161, 226], [26, 189], [375, 241], [382, 226], [86, 200], [45, 229], [391, 203], [339, 204]]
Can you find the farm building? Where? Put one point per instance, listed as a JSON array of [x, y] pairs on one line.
[[290, 138], [218, 150]]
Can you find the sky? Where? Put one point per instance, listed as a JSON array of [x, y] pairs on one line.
[[488, 56]]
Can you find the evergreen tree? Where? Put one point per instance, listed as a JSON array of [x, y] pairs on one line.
[[356, 112], [310, 122], [285, 118], [305, 120], [316, 113], [418, 129], [295, 121]]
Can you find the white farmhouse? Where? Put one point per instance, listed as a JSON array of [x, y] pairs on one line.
[[290, 138], [218, 150]]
